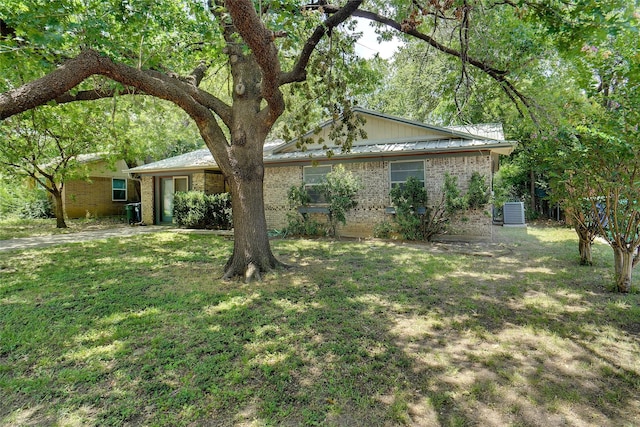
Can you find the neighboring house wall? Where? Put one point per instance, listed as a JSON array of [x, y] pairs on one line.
[[94, 197], [373, 198]]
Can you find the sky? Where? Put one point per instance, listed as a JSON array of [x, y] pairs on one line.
[[368, 44]]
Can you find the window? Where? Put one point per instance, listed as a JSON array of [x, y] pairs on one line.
[[401, 171], [312, 177], [181, 183], [118, 190]]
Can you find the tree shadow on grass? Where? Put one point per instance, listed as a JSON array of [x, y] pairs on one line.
[[367, 333]]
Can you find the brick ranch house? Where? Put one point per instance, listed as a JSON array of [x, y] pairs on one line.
[[105, 192], [395, 148]]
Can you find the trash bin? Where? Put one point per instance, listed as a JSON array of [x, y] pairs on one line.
[[128, 209], [133, 212]]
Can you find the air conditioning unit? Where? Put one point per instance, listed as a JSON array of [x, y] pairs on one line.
[[513, 213]]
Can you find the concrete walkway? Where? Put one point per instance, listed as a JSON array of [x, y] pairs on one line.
[[81, 236]]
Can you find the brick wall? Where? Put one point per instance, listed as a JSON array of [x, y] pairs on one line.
[[277, 181], [213, 183], [82, 198], [373, 197], [148, 197], [208, 182], [197, 181]]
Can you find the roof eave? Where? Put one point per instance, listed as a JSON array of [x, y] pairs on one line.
[[174, 169], [501, 148]]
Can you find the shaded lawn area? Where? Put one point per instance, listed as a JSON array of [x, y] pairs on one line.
[[139, 331]]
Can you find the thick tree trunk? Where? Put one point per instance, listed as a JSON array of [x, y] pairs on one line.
[[59, 209], [251, 251]]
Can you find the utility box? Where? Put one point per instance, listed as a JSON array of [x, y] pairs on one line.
[[513, 213]]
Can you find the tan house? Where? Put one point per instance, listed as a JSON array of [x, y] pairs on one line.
[[395, 149], [106, 191]]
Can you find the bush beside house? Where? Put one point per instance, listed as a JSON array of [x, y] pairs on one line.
[[194, 209]]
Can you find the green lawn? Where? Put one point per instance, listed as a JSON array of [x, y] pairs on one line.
[[140, 331]]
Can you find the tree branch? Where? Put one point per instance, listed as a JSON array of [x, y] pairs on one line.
[[500, 76], [89, 62], [94, 94], [49, 87], [188, 85], [338, 15]]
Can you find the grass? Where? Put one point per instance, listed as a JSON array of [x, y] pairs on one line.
[[14, 227], [142, 332]]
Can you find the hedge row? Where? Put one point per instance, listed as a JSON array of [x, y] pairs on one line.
[[194, 209]]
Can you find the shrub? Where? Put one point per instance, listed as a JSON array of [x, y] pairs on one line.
[[24, 202], [339, 190], [303, 225], [415, 219], [407, 200], [453, 200], [478, 195], [40, 207], [382, 230], [298, 196], [194, 209]]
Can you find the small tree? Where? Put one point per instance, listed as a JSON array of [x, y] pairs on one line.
[[586, 222], [409, 199], [454, 202], [418, 220], [300, 223], [601, 189], [339, 190], [477, 196], [45, 145]]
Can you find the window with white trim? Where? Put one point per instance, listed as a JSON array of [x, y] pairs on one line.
[[402, 170], [118, 189], [312, 176]]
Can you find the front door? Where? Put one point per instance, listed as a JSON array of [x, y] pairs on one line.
[[167, 192], [168, 187]]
